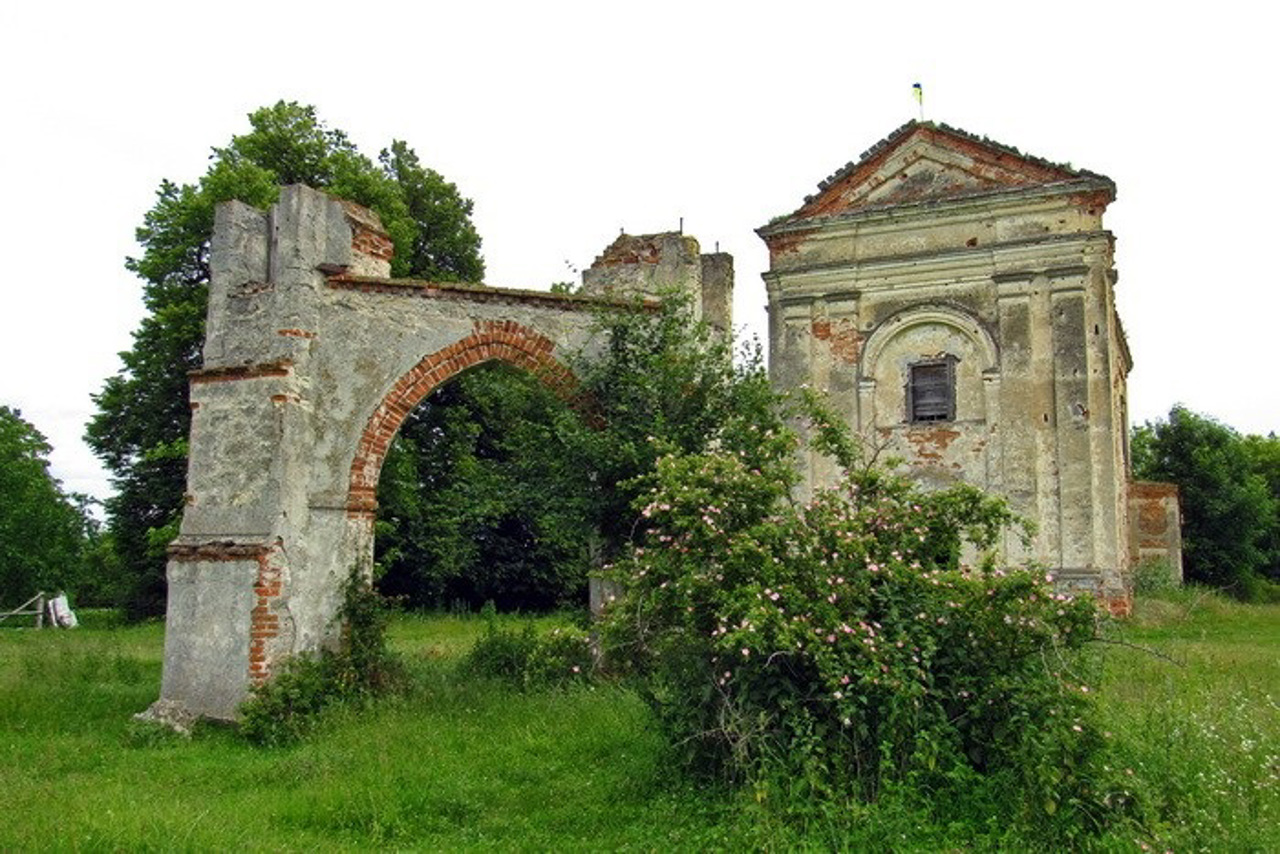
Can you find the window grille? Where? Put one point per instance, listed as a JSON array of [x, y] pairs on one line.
[[931, 391]]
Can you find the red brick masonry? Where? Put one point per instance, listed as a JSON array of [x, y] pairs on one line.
[[492, 340], [264, 623]]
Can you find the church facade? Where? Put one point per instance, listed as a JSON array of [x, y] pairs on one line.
[[955, 298]]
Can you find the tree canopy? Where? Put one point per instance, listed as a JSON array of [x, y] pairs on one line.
[[42, 530], [140, 429], [484, 496], [1230, 491]]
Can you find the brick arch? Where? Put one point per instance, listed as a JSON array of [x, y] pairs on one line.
[[490, 341]]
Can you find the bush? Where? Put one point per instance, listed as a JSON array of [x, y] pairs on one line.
[[527, 659], [288, 706], [842, 646], [1153, 577]]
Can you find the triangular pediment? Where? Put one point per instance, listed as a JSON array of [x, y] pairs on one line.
[[924, 162]]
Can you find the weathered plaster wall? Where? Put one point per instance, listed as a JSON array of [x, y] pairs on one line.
[[1155, 525], [651, 265]]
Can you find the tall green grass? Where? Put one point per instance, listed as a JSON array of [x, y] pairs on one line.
[[462, 763], [1199, 725]]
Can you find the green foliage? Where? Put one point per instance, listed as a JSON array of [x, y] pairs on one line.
[[529, 659], [483, 496], [43, 532], [287, 707], [1264, 458], [459, 763], [841, 643], [1230, 491], [444, 245], [661, 383], [1153, 576], [495, 490], [101, 584], [143, 417]]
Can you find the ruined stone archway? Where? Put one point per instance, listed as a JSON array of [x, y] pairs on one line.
[[313, 357], [501, 341], [273, 622]]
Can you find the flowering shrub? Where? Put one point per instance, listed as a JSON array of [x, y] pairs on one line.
[[842, 643]]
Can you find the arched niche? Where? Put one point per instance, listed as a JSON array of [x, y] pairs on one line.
[[919, 335]]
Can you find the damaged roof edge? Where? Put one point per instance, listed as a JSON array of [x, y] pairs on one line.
[[790, 222], [902, 131]]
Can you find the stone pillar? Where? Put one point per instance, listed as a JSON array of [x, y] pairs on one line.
[[1016, 438], [717, 291], [235, 567], [1108, 425], [1073, 458]]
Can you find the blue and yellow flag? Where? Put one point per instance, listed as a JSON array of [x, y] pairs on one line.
[[918, 91]]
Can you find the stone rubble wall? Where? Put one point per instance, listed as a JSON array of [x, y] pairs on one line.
[[650, 265]]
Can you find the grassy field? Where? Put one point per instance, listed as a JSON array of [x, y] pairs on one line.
[[466, 764], [1200, 727]]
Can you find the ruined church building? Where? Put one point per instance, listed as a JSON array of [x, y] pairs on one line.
[[956, 299], [953, 296]]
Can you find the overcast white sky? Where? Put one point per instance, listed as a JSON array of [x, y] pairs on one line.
[[566, 121]]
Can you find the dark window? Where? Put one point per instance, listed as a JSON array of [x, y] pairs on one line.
[[931, 390]]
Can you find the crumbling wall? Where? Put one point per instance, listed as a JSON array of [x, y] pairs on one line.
[[651, 265], [1155, 527]]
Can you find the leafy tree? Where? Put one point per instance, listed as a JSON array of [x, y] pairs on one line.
[[661, 383], [42, 530], [444, 245], [484, 497], [1264, 458], [140, 429], [1229, 511]]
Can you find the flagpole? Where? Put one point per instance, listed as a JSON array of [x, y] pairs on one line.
[[918, 91]]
